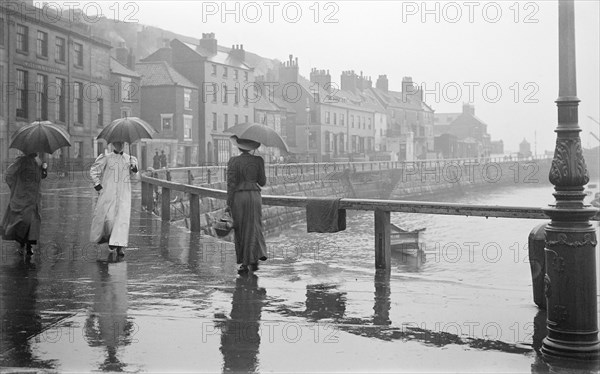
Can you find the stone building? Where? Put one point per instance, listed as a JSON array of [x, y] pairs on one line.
[[226, 90], [52, 68]]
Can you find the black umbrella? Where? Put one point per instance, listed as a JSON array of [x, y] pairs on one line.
[[127, 130], [40, 136], [258, 133]]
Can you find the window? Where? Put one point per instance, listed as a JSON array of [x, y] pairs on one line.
[[78, 150], [335, 118], [246, 119], [127, 89], [225, 121], [341, 119], [214, 92], [1, 91], [369, 123], [246, 97], [59, 52], [187, 98], [125, 112], [41, 102], [246, 76], [236, 119], [166, 121], [1, 31], [236, 74], [214, 69], [22, 38], [327, 118], [60, 100], [214, 121], [78, 49], [42, 44], [225, 72], [236, 99], [22, 84], [187, 127], [100, 121], [224, 94], [78, 107], [352, 121]]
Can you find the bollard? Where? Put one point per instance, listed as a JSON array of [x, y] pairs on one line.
[[208, 176], [537, 263], [169, 175], [190, 177]]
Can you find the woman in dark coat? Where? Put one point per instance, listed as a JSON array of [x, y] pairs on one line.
[[245, 176], [22, 219]]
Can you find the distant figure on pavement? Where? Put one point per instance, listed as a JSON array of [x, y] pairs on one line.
[[245, 176], [22, 218], [156, 161], [111, 176], [163, 159]]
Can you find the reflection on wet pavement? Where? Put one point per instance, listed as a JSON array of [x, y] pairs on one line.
[[175, 303]]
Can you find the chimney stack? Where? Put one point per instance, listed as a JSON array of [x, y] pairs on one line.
[[321, 78], [237, 52], [288, 72], [382, 83], [209, 43]]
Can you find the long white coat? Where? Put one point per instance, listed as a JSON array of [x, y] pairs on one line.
[[110, 222]]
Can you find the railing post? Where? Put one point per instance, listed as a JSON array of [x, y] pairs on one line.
[[145, 188], [207, 176], [190, 177], [194, 213], [165, 212], [169, 175], [383, 252]]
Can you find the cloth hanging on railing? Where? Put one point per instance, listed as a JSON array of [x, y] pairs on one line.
[[323, 215]]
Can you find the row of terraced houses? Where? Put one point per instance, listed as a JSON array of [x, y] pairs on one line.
[[82, 76]]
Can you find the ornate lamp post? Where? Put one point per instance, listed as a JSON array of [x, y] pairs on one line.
[[570, 281]]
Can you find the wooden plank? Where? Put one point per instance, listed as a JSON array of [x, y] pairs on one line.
[[383, 251], [195, 213]]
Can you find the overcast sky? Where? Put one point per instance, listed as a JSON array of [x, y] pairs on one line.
[[502, 56]]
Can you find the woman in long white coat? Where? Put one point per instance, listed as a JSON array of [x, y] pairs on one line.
[[111, 174]]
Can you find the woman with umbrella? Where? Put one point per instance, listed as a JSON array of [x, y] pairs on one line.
[[22, 220], [245, 176], [111, 174]]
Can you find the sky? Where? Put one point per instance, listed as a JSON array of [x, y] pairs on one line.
[[500, 56]]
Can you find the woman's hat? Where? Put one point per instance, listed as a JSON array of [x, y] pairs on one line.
[[245, 144]]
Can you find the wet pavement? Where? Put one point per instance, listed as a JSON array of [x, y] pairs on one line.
[[176, 304]]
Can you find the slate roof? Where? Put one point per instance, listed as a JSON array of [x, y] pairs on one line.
[[118, 68], [220, 57], [160, 73]]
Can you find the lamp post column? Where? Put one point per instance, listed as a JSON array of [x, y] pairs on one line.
[[570, 250]]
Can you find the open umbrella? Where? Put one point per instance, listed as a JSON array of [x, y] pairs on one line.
[[259, 133], [127, 130], [40, 136]]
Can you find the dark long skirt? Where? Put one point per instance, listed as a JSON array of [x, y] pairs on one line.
[[246, 212]]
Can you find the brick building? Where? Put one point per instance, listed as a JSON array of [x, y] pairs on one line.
[[170, 105]]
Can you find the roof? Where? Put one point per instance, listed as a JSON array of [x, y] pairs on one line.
[[397, 99], [118, 68], [160, 73], [220, 57]]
